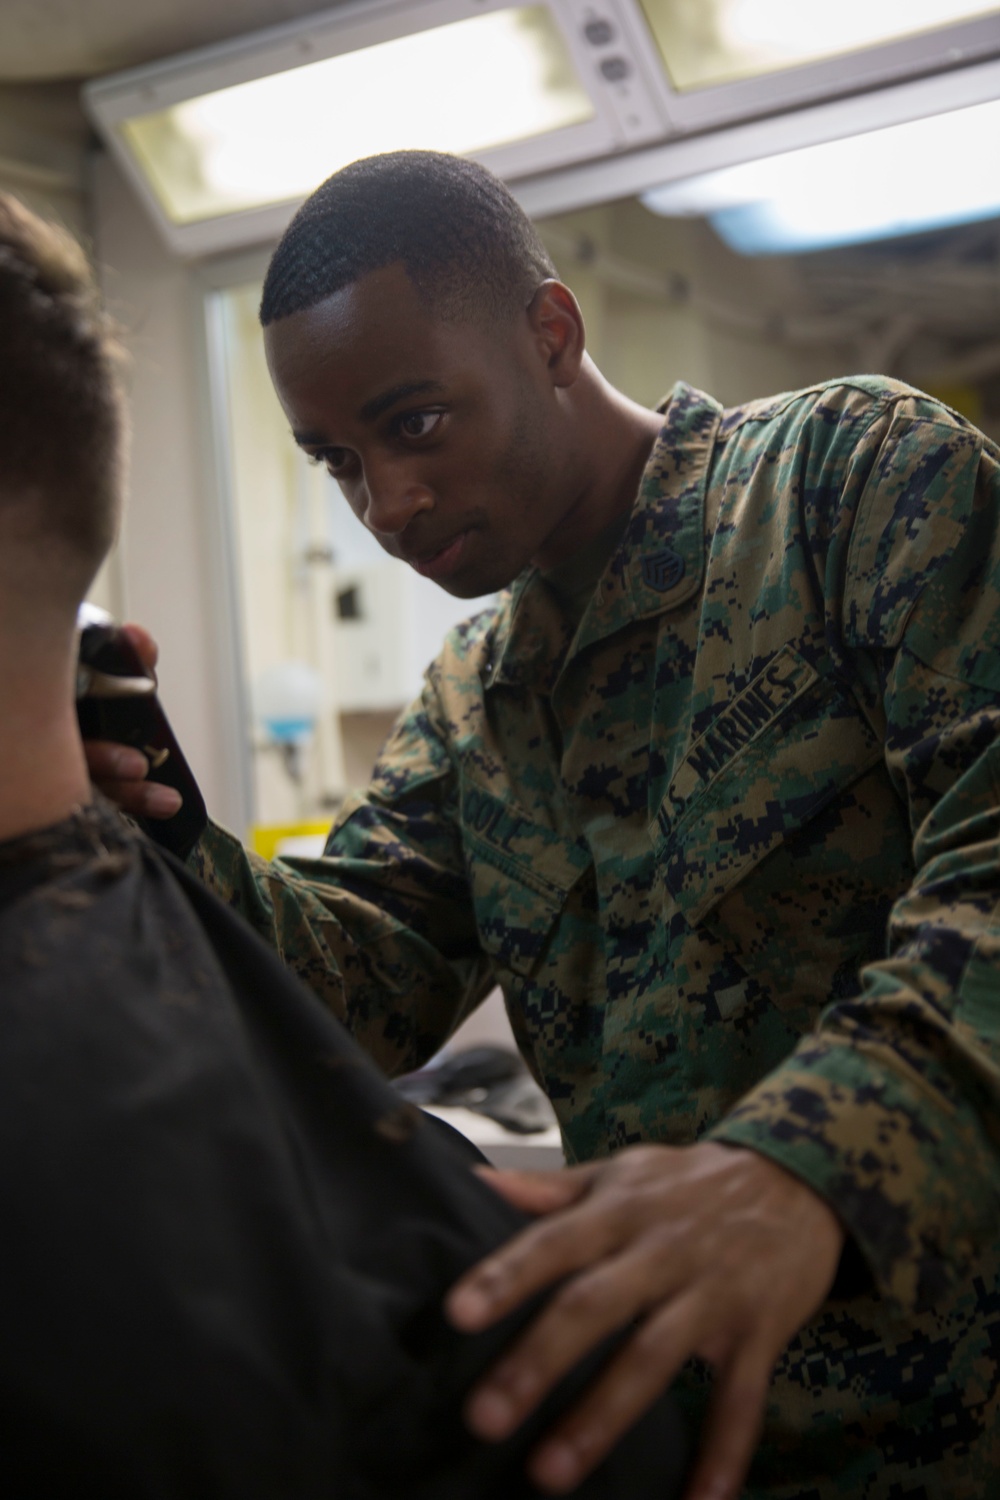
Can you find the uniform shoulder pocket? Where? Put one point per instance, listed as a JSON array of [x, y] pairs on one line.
[[912, 517]]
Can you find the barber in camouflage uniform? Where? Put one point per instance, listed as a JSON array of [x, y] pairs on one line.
[[713, 795]]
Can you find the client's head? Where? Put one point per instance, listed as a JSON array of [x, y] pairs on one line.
[[61, 420]]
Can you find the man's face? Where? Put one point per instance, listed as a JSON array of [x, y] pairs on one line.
[[444, 436]]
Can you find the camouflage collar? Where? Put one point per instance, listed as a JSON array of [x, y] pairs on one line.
[[656, 567]]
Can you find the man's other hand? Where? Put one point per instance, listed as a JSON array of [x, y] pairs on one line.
[[711, 1250], [119, 771]]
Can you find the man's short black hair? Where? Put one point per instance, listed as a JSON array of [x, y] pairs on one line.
[[466, 244]]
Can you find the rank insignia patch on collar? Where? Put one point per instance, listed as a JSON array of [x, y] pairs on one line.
[[663, 570]]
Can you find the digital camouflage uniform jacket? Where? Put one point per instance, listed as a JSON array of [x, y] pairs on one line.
[[731, 846]]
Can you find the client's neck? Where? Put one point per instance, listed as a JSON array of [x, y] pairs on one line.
[[43, 774]]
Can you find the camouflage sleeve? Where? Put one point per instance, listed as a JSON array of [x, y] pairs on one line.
[[381, 927], [891, 1109]]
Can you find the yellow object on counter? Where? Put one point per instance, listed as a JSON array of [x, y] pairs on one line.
[[266, 837]]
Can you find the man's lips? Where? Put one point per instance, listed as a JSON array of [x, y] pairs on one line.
[[443, 562]]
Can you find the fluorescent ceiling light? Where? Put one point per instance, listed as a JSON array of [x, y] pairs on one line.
[[483, 82], [926, 174], [718, 41]]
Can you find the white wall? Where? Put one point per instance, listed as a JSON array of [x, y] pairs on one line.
[[42, 151], [720, 332]]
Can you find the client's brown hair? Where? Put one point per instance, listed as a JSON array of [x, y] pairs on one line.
[[61, 413]]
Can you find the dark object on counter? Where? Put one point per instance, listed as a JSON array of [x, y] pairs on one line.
[[490, 1081], [116, 700]]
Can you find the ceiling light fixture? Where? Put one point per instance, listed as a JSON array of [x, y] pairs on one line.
[[278, 137], [925, 174], [720, 41], [224, 143]]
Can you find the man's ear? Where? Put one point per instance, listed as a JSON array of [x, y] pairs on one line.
[[557, 326]]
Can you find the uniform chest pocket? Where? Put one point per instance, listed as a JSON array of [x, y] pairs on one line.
[[520, 873], [783, 751]]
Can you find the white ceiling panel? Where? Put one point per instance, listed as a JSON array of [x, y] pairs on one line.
[[45, 39]]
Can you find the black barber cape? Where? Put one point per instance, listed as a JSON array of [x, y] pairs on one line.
[[224, 1239]]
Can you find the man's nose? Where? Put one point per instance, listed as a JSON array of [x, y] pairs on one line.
[[394, 497]]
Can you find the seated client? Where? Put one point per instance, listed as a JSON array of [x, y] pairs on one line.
[[225, 1239]]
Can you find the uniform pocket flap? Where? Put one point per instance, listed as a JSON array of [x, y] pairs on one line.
[[520, 873], [732, 803]]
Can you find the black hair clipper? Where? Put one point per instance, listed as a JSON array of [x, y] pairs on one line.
[[116, 700]]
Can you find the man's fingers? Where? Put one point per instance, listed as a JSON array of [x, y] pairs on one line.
[[733, 1425], [109, 763], [580, 1314], [121, 773], [540, 1192], [148, 650], [629, 1385], [698, 1242], [143, 799], [532, 1260]]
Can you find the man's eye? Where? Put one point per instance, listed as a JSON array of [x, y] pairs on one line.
[[332, 459], [418, 424]]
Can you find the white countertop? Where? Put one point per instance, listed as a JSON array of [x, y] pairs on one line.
[[540, 1152]]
